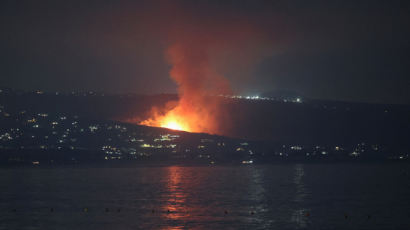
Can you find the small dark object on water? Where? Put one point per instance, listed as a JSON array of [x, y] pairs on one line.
[[252, 213], [119, 210], [51, 209], [346, 216], [226, 212], [107, 210]]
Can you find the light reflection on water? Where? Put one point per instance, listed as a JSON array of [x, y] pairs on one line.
[[183, 205], [258, 197], [287, 196], [301, 214], [174, 209]]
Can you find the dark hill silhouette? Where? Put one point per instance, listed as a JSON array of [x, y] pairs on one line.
[[310, 122]]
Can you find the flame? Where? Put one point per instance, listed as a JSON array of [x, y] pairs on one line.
[[172, 123]]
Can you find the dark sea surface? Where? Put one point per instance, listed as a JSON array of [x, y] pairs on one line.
[[280, 196]]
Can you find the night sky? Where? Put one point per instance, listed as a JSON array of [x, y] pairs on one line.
[[333, 50]]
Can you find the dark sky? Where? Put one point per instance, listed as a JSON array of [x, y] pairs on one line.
[[342, 50]]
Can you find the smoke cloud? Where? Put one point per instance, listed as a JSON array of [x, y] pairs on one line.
[[198, 52]]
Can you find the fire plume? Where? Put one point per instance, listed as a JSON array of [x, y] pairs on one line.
[[197, 110], [199, 51]]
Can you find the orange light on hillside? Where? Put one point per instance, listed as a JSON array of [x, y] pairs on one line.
[[172, 125], [169, 121], [172, 121]]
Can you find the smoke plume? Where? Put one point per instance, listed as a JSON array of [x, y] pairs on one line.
[[197, 49]]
